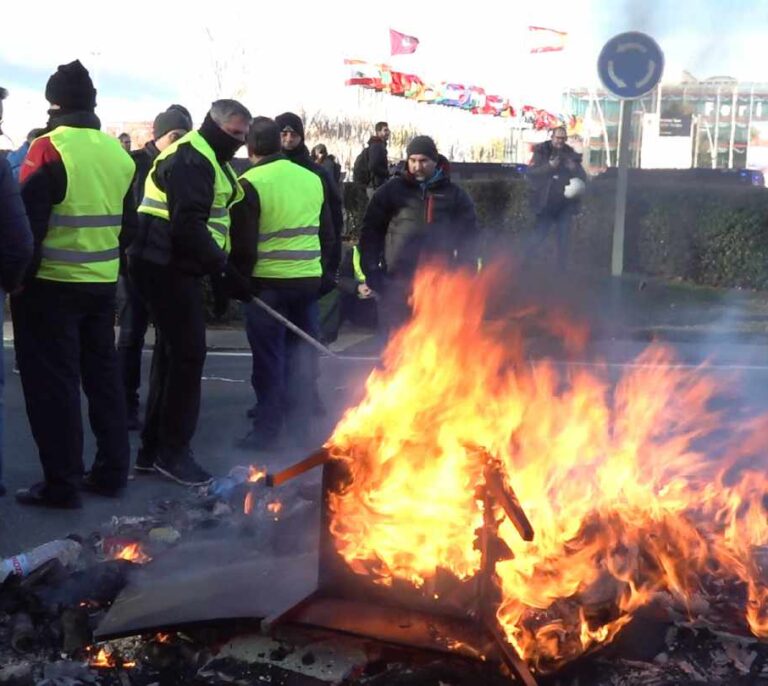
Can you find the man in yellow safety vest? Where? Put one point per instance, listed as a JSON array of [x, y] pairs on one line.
[[183, 235], [76, 186], [283, 237]]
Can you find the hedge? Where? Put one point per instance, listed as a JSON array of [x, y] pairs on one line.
[[710, 234]]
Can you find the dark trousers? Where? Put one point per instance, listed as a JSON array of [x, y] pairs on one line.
[[284, 367], [64, 337], [175, 303], [547, 222], [133, 319]]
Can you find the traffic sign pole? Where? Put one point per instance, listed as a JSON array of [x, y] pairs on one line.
[[630, 65], [620, 211]]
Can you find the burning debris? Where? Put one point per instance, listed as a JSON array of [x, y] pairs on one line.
[[493, 517]]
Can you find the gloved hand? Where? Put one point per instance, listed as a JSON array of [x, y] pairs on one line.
[[327, 284], [238, 286], [220, 295]]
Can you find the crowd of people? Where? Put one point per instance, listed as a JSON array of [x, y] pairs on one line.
[[94, 229]]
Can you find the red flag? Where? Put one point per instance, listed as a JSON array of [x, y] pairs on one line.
[[402, 44], [546, 40]]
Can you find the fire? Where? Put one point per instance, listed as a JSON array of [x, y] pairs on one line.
[[248, 503], [105, 659], [274, 507], [134, 553], [163, 638], [635, 488], [256, 474]]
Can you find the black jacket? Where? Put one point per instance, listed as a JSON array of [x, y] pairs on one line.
[[46, 186], [300, 155], [143, 158], [546, 183], [245, 233], [188, 180], [378, 165], [407, 220], [15, 234]]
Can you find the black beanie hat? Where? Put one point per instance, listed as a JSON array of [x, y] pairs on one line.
[[289, 119], [70, 87], [170, 120], [422, 145]]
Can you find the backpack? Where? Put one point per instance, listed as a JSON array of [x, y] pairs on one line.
[[361, 174]]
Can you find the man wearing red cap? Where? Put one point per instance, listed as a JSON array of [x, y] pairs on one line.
[[76, 186]]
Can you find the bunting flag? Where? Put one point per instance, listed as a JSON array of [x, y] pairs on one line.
[[546, 40], [401, 43], [382, 78]]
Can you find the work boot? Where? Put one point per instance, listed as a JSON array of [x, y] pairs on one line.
[[39, 495], [92, 484], [182, 468]]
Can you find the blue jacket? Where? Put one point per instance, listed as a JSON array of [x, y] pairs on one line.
[[15, 234], [16, 159]]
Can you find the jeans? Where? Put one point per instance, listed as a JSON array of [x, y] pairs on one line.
[[545, 223], [284, 366]]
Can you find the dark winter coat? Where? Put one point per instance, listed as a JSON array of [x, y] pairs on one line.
[[188, 180], [547, 184], [407, 220], [143, 158], [15, 234], [378, 165]]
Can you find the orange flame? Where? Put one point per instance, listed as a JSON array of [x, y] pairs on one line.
[[134, 553], [633, 488], [248, 503], [163, 638], [274, 507], [106, 660], [256, 474]]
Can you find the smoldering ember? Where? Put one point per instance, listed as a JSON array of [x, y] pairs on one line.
[[477, 518]]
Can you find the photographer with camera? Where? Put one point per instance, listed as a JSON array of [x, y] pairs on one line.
[[557, 181]]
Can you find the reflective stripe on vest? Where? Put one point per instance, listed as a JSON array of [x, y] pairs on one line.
[[82, 241], [226, 190], [290, 203]]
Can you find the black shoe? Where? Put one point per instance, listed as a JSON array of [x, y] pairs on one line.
[[183, 471], [257, 439], [93, 485], [134, 423], [145, 462], [39, 496]]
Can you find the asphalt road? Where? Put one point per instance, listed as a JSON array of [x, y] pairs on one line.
[[226, 397]]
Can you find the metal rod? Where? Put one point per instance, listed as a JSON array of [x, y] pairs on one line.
[[319, 457], [288, 324], [617, 257]]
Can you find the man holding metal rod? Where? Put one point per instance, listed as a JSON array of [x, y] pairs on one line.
[[283, 238]]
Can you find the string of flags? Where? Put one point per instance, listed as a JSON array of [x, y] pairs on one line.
[[383, 79]]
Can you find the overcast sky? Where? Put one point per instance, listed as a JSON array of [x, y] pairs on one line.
[[283, 55]]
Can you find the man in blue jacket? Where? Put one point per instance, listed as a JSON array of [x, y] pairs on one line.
[[15, 250]]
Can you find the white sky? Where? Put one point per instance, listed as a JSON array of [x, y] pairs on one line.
[[286, 55]]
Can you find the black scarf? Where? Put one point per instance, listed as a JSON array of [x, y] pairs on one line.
[[224, 146], [81, 119], [300, 155]]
